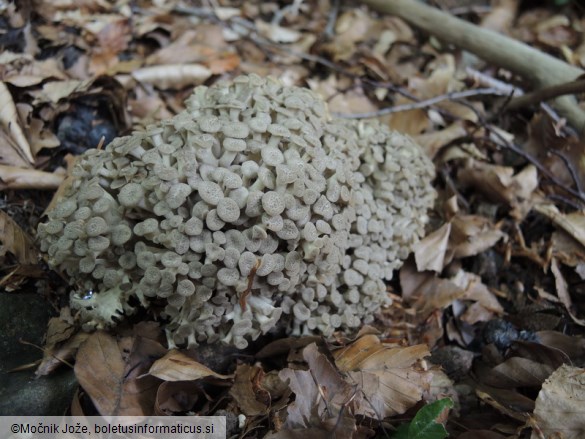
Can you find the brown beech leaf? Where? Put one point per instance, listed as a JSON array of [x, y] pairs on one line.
[[12, 177], [176, 397], [425, 291], [471, 235], [429, 252], [176, 366], [10, 122], [562, 288], [110, 376], [517, 372], [572, 347], [249, 394], [572, 223], [173, 75], [500, 184], [477, 291], [509, 402], [16, 241], [559, 409], [391, 379], [433, 142], [11, 155], [61, 344], [502, 15], [461, 237], [320, 391]]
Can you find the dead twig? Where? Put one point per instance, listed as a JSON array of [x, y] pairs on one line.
[[329, 31], [501, 141], [544, 94], [453, 96], [513, 92]]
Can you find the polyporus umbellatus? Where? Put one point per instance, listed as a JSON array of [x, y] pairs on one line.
[[250, 207]]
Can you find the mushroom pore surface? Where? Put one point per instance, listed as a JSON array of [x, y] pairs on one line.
[[251, 207]]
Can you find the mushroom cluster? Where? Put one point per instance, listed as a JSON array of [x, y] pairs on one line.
[[249, 208]]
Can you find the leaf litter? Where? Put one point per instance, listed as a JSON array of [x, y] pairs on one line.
[[494, 292]]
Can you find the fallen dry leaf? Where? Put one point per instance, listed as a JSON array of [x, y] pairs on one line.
[[509, 402], [111, 380], [562, 288], [16, 241], [390, 379], [501, 184], [471, 235], [434, 141], [12, 177], [429, 252], [462, 236], [517, 372], [10, 122], [474, 289], [573, 347], [61, 343], [572, 223], [176, 366], [502, 15], [250, 396], [176, 397], [559, 407], [173, 76], [320, 391], [425, 291], [11, 155]]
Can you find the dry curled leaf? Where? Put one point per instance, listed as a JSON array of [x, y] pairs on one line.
[[173, 75], [9, 121], [429, 252], [111, 376], [320, 391], [560, 404], [176, 366], [572, 223], [501, 184], [16, 241], [12, 177], [390, 379], [61, 343], [249, 394]]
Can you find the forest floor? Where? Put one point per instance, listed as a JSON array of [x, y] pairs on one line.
[[484, 337]]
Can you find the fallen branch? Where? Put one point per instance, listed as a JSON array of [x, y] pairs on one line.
[[544, 94], [540, 69], [453, 96]]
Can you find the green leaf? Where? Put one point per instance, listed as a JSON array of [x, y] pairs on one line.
[[424, 425], [401, 432]]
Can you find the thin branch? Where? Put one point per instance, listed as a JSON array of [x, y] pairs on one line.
[[569, 165], [486, 80], [453, 96], [503, 142], [332, 19], [544, 94]]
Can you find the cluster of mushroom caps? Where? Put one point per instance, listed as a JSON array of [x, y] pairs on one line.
[[250, 208]]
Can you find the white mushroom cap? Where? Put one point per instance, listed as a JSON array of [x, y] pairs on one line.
[[273, 203]]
